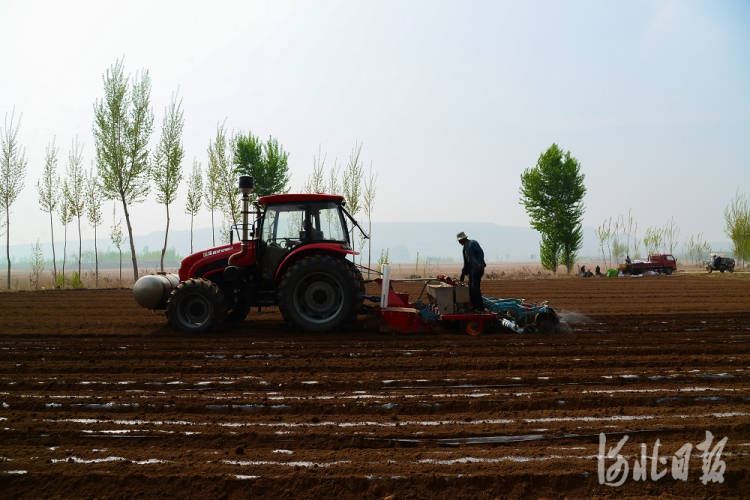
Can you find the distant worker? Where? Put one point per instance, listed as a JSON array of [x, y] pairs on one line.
[[627, 259], [598, 271], [474, 267]]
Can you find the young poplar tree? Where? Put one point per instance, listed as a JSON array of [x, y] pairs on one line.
[[123, 122], [368, 202], [115, 234], [48, 188], [334, 187], [65, 218], [37, 264], [603, 233], [167, 169], [352, 189], [671, 232], [737, 225], [12, 173], [274, 175], [653, 239], [194, 196], [222, 174], [212, 197], [74, 189], [352, 181], [94, 212], [316, 182]]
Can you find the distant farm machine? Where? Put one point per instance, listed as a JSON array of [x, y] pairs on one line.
[[656, 263], [294, 255], [721, 264]]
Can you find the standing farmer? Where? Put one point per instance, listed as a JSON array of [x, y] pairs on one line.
[[473, 266]]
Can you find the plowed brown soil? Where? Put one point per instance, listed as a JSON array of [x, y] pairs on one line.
[[98, 398]]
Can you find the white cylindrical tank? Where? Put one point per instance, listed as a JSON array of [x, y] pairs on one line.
[[152, 291], [386, 285]]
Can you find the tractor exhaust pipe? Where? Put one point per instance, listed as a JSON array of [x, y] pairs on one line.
[[246, 187]]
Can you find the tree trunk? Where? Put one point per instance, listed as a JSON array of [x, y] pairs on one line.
[[166, 235], [369, 246], [96, 260], [130, 237], [191, 233], [79, 247], [54, 259], [65, 252], [120, 249], [7, 240], [213, 233]]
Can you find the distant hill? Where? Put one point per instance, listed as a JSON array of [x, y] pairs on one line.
[[437, 240], [433, 240]]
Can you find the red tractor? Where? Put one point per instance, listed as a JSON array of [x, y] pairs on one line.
[[293, 256]]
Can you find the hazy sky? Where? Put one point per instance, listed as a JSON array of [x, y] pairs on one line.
[[452, 100]]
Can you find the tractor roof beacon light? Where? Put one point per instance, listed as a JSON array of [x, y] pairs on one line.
[[246, 187]]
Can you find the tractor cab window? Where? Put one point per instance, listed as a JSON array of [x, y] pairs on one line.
[[283, 224], [326, 223], [289, 225]]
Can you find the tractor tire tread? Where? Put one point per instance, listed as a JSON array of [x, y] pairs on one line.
[[209, 290], [352, 295]]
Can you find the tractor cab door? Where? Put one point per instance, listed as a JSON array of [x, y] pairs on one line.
[[280, 233], [287, 226]]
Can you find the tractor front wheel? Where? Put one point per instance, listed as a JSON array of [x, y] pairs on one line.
[[319, 293], [238, 307], [195, 306]]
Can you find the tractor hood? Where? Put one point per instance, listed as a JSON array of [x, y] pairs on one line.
[[205, 261]]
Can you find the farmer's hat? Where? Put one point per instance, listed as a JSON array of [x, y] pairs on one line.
[[461, 236]]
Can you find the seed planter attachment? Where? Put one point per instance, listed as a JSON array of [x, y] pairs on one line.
[[448, 305]]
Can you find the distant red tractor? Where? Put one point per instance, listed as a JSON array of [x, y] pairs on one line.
[[660, 263], [293, 256]]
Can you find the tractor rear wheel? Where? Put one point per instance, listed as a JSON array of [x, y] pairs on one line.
[[195, 306], [319, 293], [359, 279]]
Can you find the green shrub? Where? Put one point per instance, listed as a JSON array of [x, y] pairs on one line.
[[76, 281]]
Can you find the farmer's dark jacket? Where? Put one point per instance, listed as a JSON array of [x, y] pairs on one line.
[[473, 257]]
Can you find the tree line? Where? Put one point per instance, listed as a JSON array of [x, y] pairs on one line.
[[126, 170], [618, 236], [552, 193]]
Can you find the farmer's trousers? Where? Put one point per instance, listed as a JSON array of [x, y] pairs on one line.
[[475, 292]]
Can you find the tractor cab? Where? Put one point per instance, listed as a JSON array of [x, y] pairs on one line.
[[292, 222]]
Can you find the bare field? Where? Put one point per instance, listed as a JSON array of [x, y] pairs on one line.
[[98, 398]]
